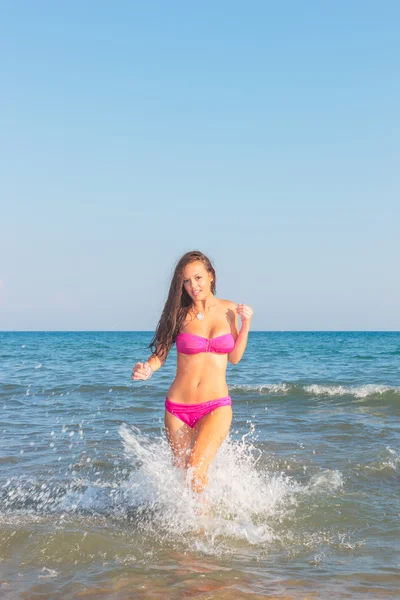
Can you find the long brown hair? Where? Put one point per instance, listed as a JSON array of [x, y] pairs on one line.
[[177, 305]]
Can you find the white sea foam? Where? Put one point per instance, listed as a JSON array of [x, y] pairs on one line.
[[48, 573], [393, 461], [326, 481], [357, 391], [360, 391], [237, 491], [265, 388], [388, 460], [244, 500]]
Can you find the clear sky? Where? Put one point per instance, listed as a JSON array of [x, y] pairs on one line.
[[265, 134]]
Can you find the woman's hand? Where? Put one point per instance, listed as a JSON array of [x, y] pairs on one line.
[[142, 371], [245, 312]]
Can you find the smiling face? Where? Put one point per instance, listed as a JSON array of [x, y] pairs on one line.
[[197, 281]]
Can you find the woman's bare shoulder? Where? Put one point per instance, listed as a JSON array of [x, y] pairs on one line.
[[228, 304], [229, 309]]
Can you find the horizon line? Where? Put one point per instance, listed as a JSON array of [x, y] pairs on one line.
[[152, 331]]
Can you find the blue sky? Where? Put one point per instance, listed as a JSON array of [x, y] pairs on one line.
[[264, 134]]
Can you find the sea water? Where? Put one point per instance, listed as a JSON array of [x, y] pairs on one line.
[[303, 496]]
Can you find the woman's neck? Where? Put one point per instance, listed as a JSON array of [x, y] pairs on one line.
[[204, 305]]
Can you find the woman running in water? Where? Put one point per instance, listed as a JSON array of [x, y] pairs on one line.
[[198, 410]]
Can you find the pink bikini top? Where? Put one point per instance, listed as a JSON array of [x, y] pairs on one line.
[[190, 343]]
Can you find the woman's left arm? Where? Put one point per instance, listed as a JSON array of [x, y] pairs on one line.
[[246, 314]]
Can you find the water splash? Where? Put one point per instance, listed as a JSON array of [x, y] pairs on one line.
[[245, 501]]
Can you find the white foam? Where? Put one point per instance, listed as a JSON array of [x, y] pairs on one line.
[[361, 391], [389, 459], [326, 481], [241, 497], [48, 573], [265, 388], [358, 391]]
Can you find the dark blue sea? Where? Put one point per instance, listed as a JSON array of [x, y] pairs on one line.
[[304, 493]]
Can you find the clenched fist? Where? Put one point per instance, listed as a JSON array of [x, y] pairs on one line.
[[142, 371], [245, 312]]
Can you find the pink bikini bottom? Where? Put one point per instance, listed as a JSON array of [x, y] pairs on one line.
[[191, 413]]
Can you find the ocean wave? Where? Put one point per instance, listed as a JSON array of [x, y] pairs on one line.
[[29, 389], [265, 388], [18, 390], [358, 391], [388, 462], [294, 390]]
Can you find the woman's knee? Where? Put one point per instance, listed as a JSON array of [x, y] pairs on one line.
[[196, 462], [197, 479]]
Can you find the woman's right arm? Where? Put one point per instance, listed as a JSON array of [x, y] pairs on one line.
[[143, 371]]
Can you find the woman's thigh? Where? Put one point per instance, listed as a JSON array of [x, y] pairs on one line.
[[208, 435], [179, 436]]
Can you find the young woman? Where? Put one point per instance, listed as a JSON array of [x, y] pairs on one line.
[[198, 410]]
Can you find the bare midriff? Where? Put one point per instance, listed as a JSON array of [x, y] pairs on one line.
[[199, 378]]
